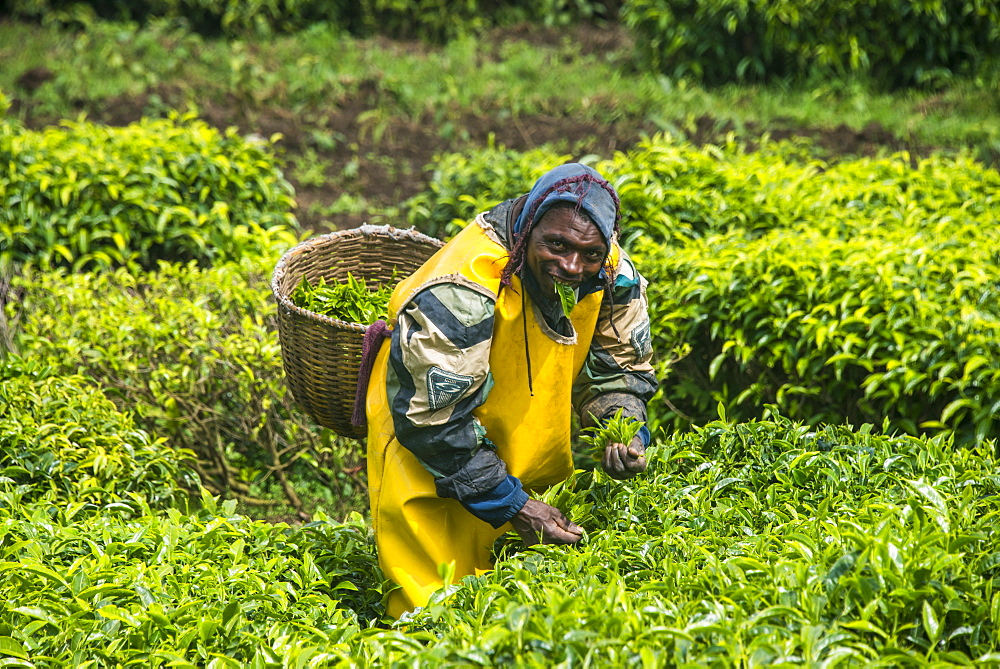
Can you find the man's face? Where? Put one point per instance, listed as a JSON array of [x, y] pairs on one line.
[[564, 246]]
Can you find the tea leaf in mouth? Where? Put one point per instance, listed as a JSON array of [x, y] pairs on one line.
[[567, 297]]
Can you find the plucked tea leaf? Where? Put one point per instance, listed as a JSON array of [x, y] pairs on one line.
[[350, 300], [619, 429], [567, 297]]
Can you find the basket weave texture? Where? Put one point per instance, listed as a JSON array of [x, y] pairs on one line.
[[321, 355]]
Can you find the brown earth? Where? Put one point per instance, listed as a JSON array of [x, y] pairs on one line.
[[392, 162]]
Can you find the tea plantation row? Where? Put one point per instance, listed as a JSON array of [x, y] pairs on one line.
[[89, 195], [746, 544], [851, 292], [751, 540]]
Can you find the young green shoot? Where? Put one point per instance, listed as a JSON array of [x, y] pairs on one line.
[[619, 429], [567, 297]]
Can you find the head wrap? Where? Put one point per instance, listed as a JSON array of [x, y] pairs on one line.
[[587, 190], [580, 185]]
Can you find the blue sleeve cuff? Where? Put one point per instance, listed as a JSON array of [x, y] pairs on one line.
[[500, 504]]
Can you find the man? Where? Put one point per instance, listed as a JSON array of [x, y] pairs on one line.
[[469, 402]]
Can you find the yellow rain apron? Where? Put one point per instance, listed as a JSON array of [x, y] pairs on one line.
[[415, 530]]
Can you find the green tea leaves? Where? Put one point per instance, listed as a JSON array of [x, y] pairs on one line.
[[62, 440], [619, 429], [91, 196], [567, 297], [349, 301]]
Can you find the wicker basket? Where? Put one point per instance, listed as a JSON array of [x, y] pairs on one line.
[[321, 355]]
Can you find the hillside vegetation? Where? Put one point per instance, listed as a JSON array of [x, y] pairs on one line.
[[810, 189]]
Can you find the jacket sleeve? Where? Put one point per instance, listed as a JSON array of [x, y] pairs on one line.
[[438, 374], [618, 372]]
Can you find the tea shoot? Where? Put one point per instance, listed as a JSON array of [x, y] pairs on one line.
[[619, 429]]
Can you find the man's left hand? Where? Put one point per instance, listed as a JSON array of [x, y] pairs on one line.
[[624, 462]]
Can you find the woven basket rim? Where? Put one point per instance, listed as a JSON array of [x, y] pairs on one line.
[[364, 230]]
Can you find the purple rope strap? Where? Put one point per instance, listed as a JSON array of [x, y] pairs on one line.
[[374, 334]]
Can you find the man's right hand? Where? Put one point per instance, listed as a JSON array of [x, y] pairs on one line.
[[537, 521]]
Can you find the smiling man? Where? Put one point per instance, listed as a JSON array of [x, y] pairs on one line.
[[470, 399]]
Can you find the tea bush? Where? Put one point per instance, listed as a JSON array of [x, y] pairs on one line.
[[878, 305], [464, 184], [742, 545], [748, 545], [675, 192], [210, 588], [752, 40], [93, 196], [194, 354], [64, 442], [669, 191]]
